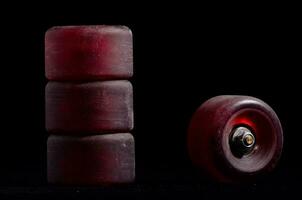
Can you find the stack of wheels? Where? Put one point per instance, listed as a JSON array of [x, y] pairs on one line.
[[89, 108], [235, 139]]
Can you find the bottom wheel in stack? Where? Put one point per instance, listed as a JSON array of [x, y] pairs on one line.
[[91, 160]]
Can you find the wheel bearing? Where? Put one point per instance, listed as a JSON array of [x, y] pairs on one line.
[[242, 141]]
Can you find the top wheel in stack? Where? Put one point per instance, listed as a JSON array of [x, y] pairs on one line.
[[79, 53]]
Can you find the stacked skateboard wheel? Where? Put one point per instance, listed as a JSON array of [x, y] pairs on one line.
[[89, 108]]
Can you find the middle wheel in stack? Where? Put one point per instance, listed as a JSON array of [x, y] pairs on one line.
[[89, 107]]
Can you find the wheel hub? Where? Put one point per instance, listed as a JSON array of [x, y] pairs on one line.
[[242, 141]]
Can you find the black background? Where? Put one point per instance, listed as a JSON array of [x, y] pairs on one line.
[[183, 55]]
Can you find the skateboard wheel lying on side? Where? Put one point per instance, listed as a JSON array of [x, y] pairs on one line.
[[85, 108], [235, 138], [88, 53], [91, 160]]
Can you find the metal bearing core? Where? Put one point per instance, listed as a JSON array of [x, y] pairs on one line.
[[242, 141]]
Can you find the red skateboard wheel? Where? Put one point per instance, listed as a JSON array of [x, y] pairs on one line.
[[235, 138], [91, 160], [85, 108], [88, 53]]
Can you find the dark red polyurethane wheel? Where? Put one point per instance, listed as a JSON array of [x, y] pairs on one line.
[[235, 138], [91, 160], [92, 107], [88, 53]]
